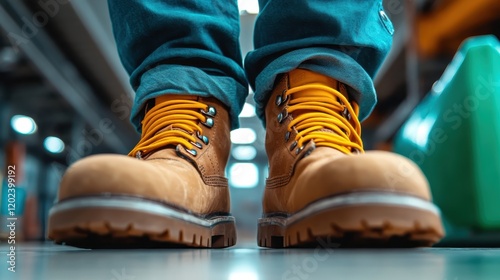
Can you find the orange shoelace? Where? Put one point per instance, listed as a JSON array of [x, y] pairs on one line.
[[322, 110], [181, 118]]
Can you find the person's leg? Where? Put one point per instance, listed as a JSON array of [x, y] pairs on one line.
[[346, 40], [181, 47], [312, 71], [185, 65]]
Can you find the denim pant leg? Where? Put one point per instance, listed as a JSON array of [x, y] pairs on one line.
[[180, 47], [344, 39]]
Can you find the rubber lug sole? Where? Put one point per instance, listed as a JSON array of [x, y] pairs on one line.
[[367, 225], [121, 227]]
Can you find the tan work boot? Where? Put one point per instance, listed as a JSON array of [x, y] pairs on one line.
[[321, 183], [170, 190]]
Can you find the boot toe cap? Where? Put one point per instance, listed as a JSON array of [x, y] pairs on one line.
[[115, 174], [369, 172]]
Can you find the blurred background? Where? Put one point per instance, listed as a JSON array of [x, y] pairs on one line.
[[64, 94]]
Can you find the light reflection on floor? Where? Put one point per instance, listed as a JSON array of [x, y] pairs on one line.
[[247, 262]]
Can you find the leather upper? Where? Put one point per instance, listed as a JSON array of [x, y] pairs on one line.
[[299, 177], [171, 175]]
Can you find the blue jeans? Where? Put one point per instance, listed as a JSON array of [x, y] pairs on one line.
[[191, 46]]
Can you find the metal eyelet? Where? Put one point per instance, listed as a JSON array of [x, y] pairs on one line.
[[282, 116], [294, 144], [178, 152], [211, 111], [192, 151], [138, 155], [346, 114], [209, 123], [299, 150], [279, 100], [202, 137], [287, 136], [197, 144], [283, 93]]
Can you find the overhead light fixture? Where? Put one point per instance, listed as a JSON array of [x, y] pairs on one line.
[[244, 152], [248, 6], [54, 145], [248, 111], [243, 175], [243, 136], [23, 124]]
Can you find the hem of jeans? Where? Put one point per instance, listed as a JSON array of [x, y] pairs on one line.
[[360, 88], [223, 95]]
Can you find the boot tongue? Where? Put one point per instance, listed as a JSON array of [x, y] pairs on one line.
[[165, 98], [300, 77], [168, 97]]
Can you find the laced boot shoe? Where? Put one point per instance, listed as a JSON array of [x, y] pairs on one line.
[[322, 184], [169, 191]]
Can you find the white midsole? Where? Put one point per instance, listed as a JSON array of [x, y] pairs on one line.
[[136, 205], [355, 199]]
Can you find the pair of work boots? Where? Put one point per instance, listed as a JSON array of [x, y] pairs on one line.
[[171, 189]]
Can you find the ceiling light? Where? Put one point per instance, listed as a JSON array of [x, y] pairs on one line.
[[244, 152], [243, 175], [23, 124], [243, 136], [53, 144]]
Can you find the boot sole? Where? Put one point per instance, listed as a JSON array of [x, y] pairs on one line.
[[355, 220], [127, 222]]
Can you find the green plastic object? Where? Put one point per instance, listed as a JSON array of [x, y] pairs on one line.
[[454, 136]]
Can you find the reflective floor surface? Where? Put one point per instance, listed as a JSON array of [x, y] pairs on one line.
[[247, 262]]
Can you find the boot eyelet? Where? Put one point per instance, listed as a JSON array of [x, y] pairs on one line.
[[287, 136], [279, 100], [209, 123], [210, 112], [197, 144], [138, 155], [192, 151], [294, 144], [282, 116], [346, 114], [178, 152], [202, 138], [299, 150], [283, 93]]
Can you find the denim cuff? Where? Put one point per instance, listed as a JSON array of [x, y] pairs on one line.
[[176, 79], [333, 63]]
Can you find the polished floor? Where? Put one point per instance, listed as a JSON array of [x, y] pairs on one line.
[[247, 262]]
